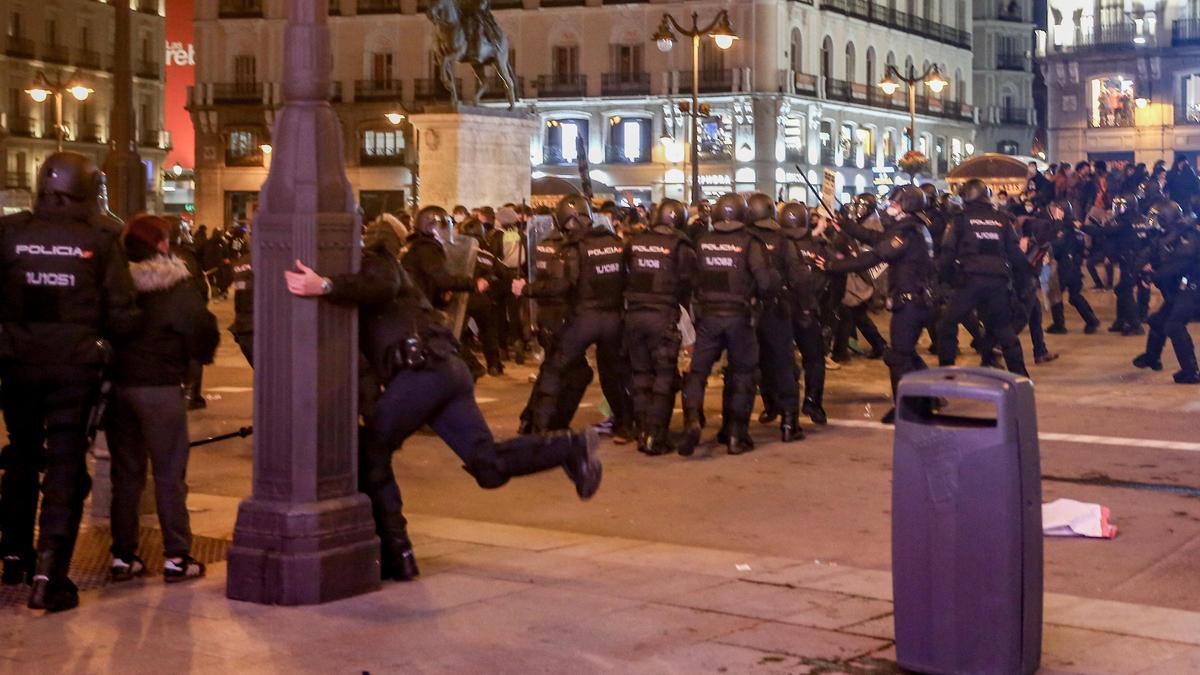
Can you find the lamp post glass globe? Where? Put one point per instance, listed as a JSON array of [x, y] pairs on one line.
[[724, 41], [80, 92], [394, 117], [889, 85], [38, 94], [935, 81]]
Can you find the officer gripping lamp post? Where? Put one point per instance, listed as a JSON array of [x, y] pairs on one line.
[[43, 89], [893, 78], [722, 34]]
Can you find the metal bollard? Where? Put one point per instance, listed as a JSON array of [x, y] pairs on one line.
[[966, 523]]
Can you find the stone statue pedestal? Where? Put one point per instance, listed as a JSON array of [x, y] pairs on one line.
[[473, 156]]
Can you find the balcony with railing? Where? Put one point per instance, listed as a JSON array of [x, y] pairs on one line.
[[22, 48], [378, 90], [828, 155], [150, 70], [60, 54], [90, 133], [366, 158], [16, 181], [240, 9], [1185, 32], [154, 138], [430, 89], [805, 83], [237, 92], [22, 126], [250, 158], [712, 81], [1014, 116], [496, 91], [86, 58], [378, 6], [837, 90], [1106, 37], [573, 85], [873, 12], [1011, 61], [625, 84]]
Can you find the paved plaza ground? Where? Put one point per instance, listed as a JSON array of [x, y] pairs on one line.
[[776, 561]]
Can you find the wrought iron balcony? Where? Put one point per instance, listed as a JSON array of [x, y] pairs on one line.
[[430, 89], [495, 88], [378, 6], [240, 9], [86, 58], [20, 47], [150, 70], [892, 18], [562, 86], [1011, 61], [1185, 32], [625, 84], [22, 126], [238, 92], [378, 90]]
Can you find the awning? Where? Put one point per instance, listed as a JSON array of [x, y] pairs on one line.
[[999, 171], [547, 190]]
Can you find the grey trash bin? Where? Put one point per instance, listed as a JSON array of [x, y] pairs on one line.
[[966, 523]]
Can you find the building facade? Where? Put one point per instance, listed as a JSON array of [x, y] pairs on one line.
[[1123, 80], [795, 94], [1004, 47], [72, 41]]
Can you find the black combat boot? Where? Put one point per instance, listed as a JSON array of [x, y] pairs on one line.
[[397, 560], [576, 453], [739, 441], [1146, 361], [1187, 377], [789, 428], [52, 590], [815, 412], [16, 570], [1058, 316], [660, 442], [692, 428], [767, 417]]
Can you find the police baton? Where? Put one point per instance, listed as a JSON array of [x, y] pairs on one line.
[[816, 192], [243, 432]]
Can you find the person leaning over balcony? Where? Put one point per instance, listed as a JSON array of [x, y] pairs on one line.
[[147, 414]]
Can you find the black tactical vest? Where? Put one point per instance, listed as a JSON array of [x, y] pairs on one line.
[[653, 268], [981, 243], [811, 284], [601, 272], [723, 280]]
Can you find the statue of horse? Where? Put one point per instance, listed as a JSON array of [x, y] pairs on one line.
[[467, 32]]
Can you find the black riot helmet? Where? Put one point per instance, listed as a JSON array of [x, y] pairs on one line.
[[1166, 214], [670, 213], [910, 198], [865, 205], [760, 207], [573, 212], [730, 208], [931, 194], [975, 191], [1064, 205], [434, 221], [1127, 203], [65, 179], [794, 218]]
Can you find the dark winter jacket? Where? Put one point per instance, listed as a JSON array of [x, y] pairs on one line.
[[176, 327]]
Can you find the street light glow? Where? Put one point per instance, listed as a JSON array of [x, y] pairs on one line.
[[888, 84], [80, 92], [935, 81], [266, 148], [723, 33], [394, 117], [38, 94], [663, 37]]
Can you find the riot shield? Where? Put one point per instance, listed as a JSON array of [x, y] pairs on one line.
[[538, 229], [460, 261]]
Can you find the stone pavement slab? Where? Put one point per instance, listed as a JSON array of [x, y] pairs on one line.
[[527, 600]]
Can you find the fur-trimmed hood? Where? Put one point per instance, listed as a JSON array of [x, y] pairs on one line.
[[158, 273]]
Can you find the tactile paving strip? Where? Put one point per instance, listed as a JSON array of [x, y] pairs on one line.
[[89, 566]]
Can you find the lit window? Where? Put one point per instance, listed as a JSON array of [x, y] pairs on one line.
[[628, 140], [562, 139]]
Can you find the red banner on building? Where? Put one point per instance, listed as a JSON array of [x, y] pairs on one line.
[[181, 74]]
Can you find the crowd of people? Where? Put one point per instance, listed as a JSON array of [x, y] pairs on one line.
[[658, 297]]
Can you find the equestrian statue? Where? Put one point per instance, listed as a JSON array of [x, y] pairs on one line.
[[467, 32]]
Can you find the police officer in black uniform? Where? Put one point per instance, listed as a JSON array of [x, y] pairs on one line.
[[485, 303], [1069, 250], [242, 327], [1187, 304], [426, 382], [906, 245], [65, 290], [732, 270], [1165, 266], [551, 315], [776, 358], [661, 262], [592, 284], [981, 257], [805, 295], [1132, 237], [425, 260]]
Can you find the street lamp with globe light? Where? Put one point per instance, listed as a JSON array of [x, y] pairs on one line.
[[893, 78], [43, 89], [721, 31]]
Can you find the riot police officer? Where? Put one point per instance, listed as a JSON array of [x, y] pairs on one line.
[[805, 295], [1133, 237], [425, 260], [550, 316], [1187, 304], [935, 217], [65, 290], [485, 304], [592, 284], [242, 327], [777, 362], [732, 270], [426, 382], [982, 255], [906, 245], [661, 262], [1165, 266], [1068, 248]]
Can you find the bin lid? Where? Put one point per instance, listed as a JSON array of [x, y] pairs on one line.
[[972, 383]]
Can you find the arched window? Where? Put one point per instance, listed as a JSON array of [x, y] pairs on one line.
[[797, 50], [827, 59], [872, 78], [850, 65]]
